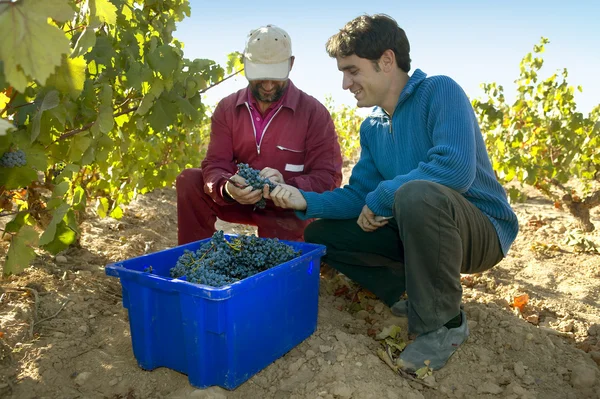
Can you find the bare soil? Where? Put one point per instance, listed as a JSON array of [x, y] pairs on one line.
[[65, 334]]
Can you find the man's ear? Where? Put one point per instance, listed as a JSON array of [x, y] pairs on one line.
[[292, 58], [387, 61]]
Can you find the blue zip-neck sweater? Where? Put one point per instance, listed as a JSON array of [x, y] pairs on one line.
[[433, 135]]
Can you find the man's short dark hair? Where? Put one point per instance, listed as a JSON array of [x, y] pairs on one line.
[[368, 36]]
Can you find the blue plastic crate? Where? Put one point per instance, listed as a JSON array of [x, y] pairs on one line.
[[218, 336]]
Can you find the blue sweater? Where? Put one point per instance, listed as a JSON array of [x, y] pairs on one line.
[[433, 135]]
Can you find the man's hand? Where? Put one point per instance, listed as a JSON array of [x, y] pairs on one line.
[[366, 220], [286, 196], [273, 175], [245, 196]]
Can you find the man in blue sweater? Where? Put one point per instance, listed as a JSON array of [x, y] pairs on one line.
[[422, 205]]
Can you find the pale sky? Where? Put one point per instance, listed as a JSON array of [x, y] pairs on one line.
[[472, 41]]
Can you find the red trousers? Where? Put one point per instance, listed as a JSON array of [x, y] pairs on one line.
[[197, 214]]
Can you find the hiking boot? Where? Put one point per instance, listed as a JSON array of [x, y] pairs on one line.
[[436, 346]]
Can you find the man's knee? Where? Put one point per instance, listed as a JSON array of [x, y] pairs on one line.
[[316, 232], [189, 179], [418, 191]]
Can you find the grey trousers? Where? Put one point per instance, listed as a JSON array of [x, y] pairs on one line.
[[435, 235]]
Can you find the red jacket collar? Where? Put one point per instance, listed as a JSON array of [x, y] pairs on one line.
[[290, 100]]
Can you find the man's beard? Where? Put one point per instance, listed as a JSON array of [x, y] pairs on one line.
[[272, 98]]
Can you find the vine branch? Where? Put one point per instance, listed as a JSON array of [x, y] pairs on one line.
[[220, 81], [8, 104], [88, 126]]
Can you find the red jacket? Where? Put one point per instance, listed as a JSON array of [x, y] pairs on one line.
[[300, 142]]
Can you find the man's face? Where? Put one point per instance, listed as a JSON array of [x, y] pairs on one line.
[[364, 79], [267, 91]]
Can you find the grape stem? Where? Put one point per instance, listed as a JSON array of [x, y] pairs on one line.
[[202, 257]]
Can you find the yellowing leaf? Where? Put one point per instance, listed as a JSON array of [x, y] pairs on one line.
[[70, 76], [25, 32], [520, 301], [424, 371], [4, 99], [389, 331], [396, 345], [104, 10], [116, 213], [235, 62], [102, 207], [127, 12]]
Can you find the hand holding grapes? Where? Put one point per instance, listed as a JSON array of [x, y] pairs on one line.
[[245, 196], [286, 196], [253, 179], [273, 175]]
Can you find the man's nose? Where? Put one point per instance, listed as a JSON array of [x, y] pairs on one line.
[[346, 82], [268, 85]]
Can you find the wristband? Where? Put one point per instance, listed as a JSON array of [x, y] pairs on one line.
[[227, 191]]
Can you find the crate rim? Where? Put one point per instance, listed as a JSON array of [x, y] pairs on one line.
[[117, 269]]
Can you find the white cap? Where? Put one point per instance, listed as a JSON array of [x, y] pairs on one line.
[[268, 54]]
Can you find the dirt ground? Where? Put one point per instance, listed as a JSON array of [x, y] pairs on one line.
[[65, 334]]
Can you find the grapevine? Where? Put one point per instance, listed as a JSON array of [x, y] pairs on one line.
[[220, 261], [253, 179], [542, 140], [97, 105]]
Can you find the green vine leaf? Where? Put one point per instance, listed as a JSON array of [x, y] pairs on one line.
[[104, 10], [86, 41], [51, 100], [21, 250], [30, 47], [69, 78], [48, 235], [104, 106]]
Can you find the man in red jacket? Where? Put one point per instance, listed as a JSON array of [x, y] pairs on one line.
[[272, 126]]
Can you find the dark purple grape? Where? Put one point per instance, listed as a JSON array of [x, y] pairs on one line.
[[257, 182], [13, 159]]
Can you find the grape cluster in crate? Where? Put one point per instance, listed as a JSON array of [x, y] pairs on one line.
[[220, 261]]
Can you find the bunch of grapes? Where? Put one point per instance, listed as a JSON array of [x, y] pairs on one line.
[[58, 168], [11, 159], [253, 179], [220, 262]]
